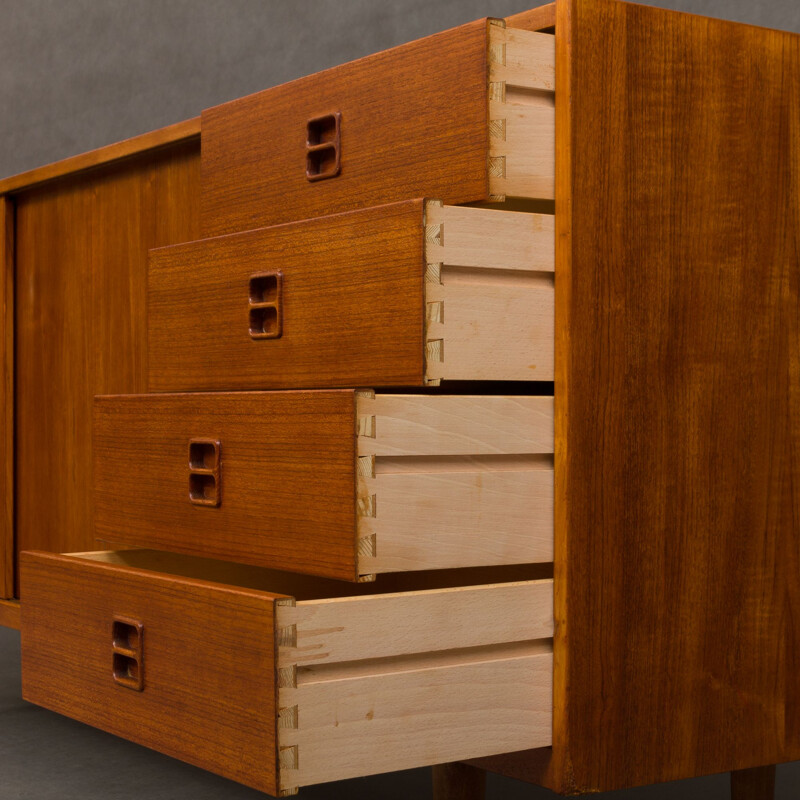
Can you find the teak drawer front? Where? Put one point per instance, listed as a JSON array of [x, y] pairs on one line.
[[333, 483], [405, 294], [466, 115], [278, 692]]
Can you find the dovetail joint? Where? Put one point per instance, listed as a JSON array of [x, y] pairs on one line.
[[497, 91], [435, 311], [367, 506], [366, 466], [366, 426], [434, 234], [433, 273], [367, 546], [497, 166], [288, 757], [434, 350], [289, 792], [287, 637], [287, 717], [497, 129], [287, 677]]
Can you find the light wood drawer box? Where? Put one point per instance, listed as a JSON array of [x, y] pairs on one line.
[[217, 666], [467, 115], [405, 294], [335, 483]]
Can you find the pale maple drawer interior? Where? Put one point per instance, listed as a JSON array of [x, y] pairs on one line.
[[294, 680], [337, 483]]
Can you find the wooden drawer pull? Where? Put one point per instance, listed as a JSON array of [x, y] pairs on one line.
[[266, 315], [127, 645], [204, 467], [323, 146]]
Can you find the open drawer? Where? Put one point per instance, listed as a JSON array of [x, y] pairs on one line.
[[280, 681], [467, 115], [336, 483], [407, 294]]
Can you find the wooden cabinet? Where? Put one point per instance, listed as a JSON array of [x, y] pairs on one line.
[[501, 342]]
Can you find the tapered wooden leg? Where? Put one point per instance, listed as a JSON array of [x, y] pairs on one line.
[[458, 782], [753, 784]]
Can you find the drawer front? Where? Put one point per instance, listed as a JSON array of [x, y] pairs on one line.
[[280, 692], [406, 294], [202, 656], [333, 483], [284, 488], [466, 115]]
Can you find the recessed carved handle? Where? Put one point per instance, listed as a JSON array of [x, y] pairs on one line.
[[127, 653], [204, 472], [266, 305], [324, 146]]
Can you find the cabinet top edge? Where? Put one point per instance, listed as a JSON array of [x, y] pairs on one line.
[[185, 131]]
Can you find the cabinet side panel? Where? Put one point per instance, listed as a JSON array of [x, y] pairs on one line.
[[7, 390], [681, 460], [81, 323]]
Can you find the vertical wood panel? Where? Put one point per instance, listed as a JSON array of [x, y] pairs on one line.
[[678, 471], [82, 247], [7, 388]]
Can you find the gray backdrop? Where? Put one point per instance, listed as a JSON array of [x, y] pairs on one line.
[[78, 74]]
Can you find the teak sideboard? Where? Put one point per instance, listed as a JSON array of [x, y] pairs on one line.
[[442, 408]]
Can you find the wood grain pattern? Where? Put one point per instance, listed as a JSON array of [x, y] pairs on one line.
[[352, 305], [453, 481], [7, 390], [367, 717], [172, 134], [287, 472], [385, 625], [757, 783], [9, 614], [490, 239], [438, 514], [542, 18], [457, 781], [678, 399], [204, 701], [414, 124], [82, 246]]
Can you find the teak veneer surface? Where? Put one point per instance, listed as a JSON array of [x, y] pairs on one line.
[[414, 124], [352, 305], [286, 478], [677, 397], [81, 322], [7, 389], [9, 613], [102, 156], [209, 694]]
